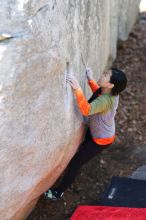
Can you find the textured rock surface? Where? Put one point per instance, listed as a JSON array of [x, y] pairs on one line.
[[38, 114], [139, 173]]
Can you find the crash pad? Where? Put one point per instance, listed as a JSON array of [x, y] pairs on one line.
[[108, 213]]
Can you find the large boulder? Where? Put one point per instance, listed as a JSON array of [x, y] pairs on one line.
[[40, 124]]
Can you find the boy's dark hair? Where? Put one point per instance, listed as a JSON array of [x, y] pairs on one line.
[[119, 79]]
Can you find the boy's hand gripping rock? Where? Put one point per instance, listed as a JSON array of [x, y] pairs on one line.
[[72, 81], [89, 73]]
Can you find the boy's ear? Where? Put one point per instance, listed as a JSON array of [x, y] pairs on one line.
[[111, 85]]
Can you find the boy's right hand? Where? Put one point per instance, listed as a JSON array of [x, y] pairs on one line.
[[89, 73], [71, 79]]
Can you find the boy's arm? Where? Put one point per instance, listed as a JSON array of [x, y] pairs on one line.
[[93, 85], [82, 102], [97, 106]]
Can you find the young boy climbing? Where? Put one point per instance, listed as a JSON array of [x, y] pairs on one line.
[[100, 110]]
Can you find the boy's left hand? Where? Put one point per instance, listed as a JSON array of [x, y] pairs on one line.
[[72, 81], [89, 73]]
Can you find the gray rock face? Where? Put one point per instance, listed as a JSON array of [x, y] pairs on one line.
[[40, 124], [139, 173]]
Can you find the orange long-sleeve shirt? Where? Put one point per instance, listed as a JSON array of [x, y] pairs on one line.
[[100, 105]]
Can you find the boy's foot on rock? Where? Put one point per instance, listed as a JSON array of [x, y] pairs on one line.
[[53, 194]]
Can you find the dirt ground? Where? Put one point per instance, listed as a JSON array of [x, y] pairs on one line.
[[129, 150]]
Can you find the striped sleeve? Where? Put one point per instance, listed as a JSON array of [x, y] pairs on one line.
[[82, 102], [93, 85], [100, 105]]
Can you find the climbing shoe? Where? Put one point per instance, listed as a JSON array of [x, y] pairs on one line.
[[53, 194]]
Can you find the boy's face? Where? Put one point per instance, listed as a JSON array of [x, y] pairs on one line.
[[104, 80]]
